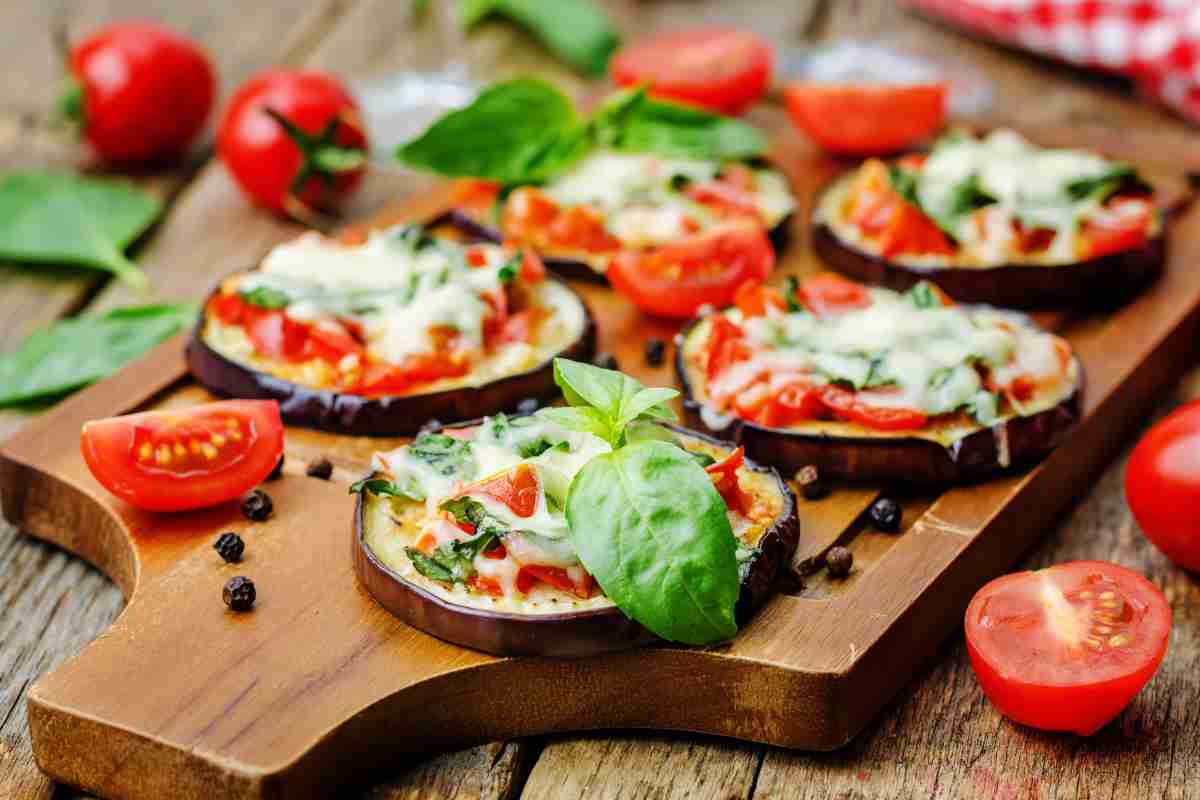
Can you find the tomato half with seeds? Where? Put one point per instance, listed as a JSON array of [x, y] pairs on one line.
[[676, 279], [1066, 648], [184, 458], [723, 69]]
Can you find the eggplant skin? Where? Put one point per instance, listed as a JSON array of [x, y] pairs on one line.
[[573, 268], [1104, 282], [571, 634], [900, 459], [389, 415]]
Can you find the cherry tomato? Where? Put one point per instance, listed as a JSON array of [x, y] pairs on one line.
[[141, 91], [518, 488], [676, 279], [830, 293], [1162, 485], [722, 69], [294, 141], [866, 119], [1066, 648], [1119, 226], [846, 405], [179, 459]]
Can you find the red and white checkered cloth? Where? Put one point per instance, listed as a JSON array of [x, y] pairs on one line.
[[1155, 42]]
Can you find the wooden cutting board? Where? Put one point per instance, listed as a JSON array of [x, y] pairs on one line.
[[319, 687]]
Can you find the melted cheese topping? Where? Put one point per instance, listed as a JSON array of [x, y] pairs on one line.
[[637, 195], [894, 355], [1028, 184], [398, 291], [393, 524]]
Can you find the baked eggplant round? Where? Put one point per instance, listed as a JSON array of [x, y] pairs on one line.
[[996, 219], [952, 449], [597, 625], [225, 359]]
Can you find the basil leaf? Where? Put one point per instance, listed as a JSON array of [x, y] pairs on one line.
[[634, 122], [962, 198], [384, 488], [587, 420], [703, 459], [266, 297], [520, 131], [793, 295], [66, 219], [577, 31], [75, 352], [923, 296], [649, 526], [464, 509], [535, 448], [444, 454], [904, 182], [1103, 184], [428, 567]]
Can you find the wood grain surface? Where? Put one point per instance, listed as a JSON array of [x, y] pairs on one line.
[[941, 739]]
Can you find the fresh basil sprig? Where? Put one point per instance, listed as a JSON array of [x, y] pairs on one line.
[[444, 454], [75, 352], [577, 31], [526, 131], [382, 487], [604, 402], [645, 519]]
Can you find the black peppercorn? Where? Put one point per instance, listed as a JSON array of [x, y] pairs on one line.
[[230, 546], [838, 562], [257, 505], [606, 361], [432, 426], [321, 468], [278, 471], [528, 405], [239, 593], [885, 515], [810, 483], [656, 351]]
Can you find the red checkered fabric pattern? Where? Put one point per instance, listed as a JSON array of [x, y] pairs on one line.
[[1155, 42]]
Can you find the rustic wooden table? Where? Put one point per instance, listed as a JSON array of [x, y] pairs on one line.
[[940, 738]]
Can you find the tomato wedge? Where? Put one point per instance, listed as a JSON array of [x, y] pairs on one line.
[[847, 405], [830, 293], [675, 280], [517, 488], [719, 68], [556, 577], [866, 119], [179, 459], [1068, 647]]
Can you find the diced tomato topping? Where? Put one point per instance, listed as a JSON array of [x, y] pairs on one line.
[[481, 583], [353, 236], [497, 553], [911, 231], [381, 378], [879, 211], [533, 270], [556, 577], [517, 488], [846, 405], [276, 335], [1032, 240], [427, 543], [1021, 389], [330, 344], [474, 193], [476, 257], [830, 293], [1122, 225], [725, 345], [753, 299], [229, 308], [530, 216], [725, 479], [739, 176], [520, 327], [796, 402], [725, 199]]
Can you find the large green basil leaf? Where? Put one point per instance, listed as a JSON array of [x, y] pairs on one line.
[[515, 132], [75, 352], [66, 219], [577, 31], [605, 401], [635, 122], [649, 526], [588, 420]]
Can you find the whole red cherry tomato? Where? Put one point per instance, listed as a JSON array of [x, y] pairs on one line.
[[294, 141], [141, 92], [1162, 485]]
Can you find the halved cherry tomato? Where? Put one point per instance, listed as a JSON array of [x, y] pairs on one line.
[[725, 199], [481, 583], [185, 458], [518, 488], [829, 293], [846, 405], [1068, 647], [1119, 226], [794, 403], [676, 279], [753, 299], [866, 119], [725, 479], [1162, 485], [723, 69]]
